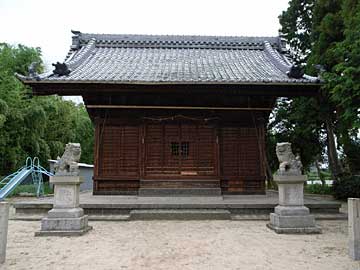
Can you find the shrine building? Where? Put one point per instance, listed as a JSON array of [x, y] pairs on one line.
[[177, 114]]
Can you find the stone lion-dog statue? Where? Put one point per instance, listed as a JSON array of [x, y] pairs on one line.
[[68, 163], [289, 164]]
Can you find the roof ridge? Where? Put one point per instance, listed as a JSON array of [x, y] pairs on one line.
[[282, 63], [174, 41], [172, 35], [78, 57], [274, 57]]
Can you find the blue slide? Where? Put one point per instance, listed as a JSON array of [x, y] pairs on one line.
[[14, 181], [10, 182]]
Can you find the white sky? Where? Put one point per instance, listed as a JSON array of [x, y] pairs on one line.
[[47, 23]]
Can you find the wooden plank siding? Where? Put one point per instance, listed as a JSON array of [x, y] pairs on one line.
[[127, 152], [241, 165], [118, 159]]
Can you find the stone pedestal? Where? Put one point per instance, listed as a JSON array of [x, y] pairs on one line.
[[4, 217], [291, 216], [354, 228], [66, 218]]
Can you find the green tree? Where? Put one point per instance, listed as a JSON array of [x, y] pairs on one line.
[[296, 24], [343, 83], [13, 104], [305, 133], [326, 33], [85, 134], [298, 120], [35, 126]]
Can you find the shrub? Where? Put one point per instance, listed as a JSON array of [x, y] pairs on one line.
[[347, 187], [318, 189]]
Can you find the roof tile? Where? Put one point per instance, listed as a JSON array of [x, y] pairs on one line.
[[176, 59]]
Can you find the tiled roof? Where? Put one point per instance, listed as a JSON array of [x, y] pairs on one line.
[[145, 59]]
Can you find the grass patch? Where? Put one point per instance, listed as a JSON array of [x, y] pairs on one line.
[[325, 175], [31, 189], [318, 189]]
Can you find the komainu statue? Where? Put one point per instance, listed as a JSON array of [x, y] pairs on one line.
[[68, 163], [289, 164]]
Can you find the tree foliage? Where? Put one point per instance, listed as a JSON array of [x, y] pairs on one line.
[[305, 133], [296, 24], [325, 33], [35, 126]]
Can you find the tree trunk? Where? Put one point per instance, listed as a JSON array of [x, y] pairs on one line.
[[269, 175], [332, 153], [319, 173]]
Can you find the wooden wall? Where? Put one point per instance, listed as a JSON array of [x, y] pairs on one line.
[[126, 152], [117, 159], [241, 164]]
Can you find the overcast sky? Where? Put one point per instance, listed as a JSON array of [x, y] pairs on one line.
[[47, 23]]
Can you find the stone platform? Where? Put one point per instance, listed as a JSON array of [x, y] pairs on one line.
[[122, 208]]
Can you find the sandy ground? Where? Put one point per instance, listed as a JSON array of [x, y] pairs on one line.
[[179, 245]]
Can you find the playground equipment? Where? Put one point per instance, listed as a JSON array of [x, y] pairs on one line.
[[32, 166]]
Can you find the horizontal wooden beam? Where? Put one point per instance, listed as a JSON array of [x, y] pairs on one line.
[[175, 108]]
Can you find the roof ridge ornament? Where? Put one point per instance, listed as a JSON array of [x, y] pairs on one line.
[[32, 70], [75, 40], [75, 32], [33, 75], [291, 70], [61, 69], [296, 72]]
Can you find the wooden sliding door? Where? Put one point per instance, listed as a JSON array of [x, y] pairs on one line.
[[180, 150]]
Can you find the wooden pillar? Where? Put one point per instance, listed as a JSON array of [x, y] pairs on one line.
[[262, 151]]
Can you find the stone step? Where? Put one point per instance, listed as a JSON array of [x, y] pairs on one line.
[[155, 192], [205, 183], [180, 214], [244, 217], [239, 217], [90, 217]]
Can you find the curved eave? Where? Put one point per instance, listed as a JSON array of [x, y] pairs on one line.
[[279, 89], [288, 83]]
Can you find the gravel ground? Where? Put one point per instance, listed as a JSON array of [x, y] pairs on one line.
[[179, 245]]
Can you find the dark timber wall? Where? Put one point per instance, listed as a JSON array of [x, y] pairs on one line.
[[189, 133], [131, 149]]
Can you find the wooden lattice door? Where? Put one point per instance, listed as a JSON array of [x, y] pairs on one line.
[[180, 150]]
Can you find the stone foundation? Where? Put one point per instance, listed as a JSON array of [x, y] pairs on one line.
[[291, 216], [66, 218]]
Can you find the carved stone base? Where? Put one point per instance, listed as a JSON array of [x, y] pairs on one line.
[[59, 224], [63, 226], [64, 233], [291, 216], [66, 213], [309, 230], [66, 218], [295, 223]]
